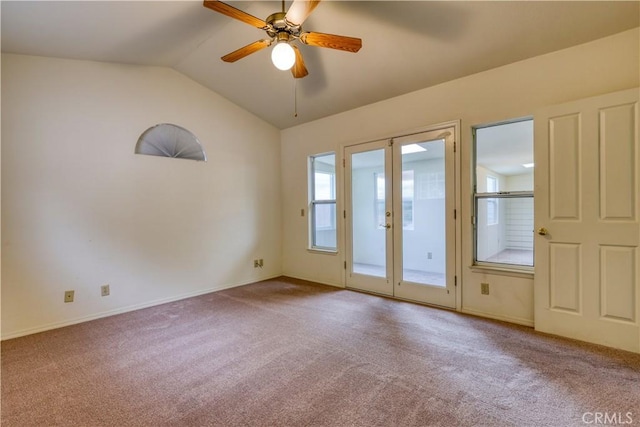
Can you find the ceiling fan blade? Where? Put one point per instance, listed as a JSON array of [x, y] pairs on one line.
[[232, 12], [298, 70], [300, 11], [245, 51], [349, 44]]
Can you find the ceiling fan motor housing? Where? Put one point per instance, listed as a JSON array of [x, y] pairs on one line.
[[277, 25]]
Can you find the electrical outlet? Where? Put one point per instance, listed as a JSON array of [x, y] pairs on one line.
[[429, 255], [484, 288], [68, 296], [104, 290], [256, 263], [261, 262]]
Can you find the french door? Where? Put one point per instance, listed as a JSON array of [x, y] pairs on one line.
[[400, 217]]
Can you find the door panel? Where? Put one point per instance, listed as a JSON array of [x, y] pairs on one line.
[[617, 278], [586, 183], [369, 242], [564, 167], [618, 193], [424, 229], [565, 283]]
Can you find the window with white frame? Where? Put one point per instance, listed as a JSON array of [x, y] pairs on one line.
[[503, 194], [322, 203]]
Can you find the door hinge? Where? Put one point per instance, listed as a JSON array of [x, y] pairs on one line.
[[455, 214], [455, 280], [344, 162], [391, 142], [345, 265], [344, 214], [454, 146]]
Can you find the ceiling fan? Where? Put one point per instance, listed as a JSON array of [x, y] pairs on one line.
[[283, 29]]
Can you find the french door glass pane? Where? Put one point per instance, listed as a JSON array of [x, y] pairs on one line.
[[423, 213], [368, 189]]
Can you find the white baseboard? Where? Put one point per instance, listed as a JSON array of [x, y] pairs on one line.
[[509, 319], [312, 280], [75, 321]]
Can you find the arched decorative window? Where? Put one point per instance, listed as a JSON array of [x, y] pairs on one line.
[[168, 140]]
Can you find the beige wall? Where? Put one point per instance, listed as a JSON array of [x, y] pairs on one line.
[[80, 210], [512, 91]]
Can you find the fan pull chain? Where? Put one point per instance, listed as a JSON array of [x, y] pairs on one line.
[[295, 97]]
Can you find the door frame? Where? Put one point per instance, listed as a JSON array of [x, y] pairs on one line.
[[456, 251]]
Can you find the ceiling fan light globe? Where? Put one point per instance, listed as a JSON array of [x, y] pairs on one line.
[[283, 56]]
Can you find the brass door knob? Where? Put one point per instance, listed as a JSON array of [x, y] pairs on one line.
[[543, 231]]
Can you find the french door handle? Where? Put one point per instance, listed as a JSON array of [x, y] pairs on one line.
[[385, 225]]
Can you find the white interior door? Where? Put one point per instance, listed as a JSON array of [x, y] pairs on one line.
[[400, 217], [587, 227]]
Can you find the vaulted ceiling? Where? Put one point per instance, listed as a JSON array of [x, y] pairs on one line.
[[407, 45]]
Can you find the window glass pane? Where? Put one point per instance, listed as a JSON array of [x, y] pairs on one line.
[[380, 219], [407, 185], [424, 213], [504, 157], [324, 219], [324, 177], [380, 189], [509, 240], [324, 186], [492, 211], [407, 198], [492, 184], [323, 201], [368, 209]]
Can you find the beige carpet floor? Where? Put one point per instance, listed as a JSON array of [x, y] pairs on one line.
[[290, 353]]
